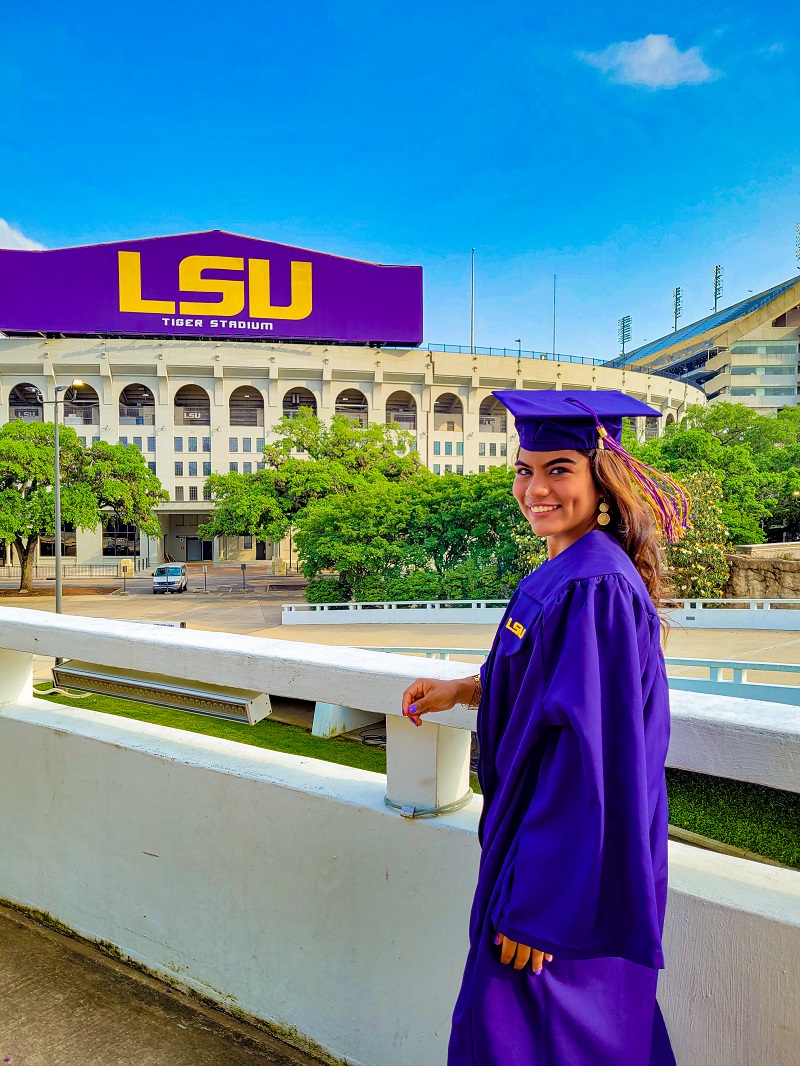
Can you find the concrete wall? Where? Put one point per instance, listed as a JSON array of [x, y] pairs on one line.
[[283, 887], [756, 577]]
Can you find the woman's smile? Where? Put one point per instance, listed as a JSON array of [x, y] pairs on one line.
[[542, 508]]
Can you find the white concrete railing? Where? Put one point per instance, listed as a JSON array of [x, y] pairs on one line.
[[700, 614], [416, 612], [284, 888]]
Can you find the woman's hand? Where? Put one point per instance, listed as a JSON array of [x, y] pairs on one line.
[[427, 694], [521, 954]]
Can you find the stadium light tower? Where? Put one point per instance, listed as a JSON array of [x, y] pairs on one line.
[[797, 244], [624, 331], [677, 306], [718, 272]]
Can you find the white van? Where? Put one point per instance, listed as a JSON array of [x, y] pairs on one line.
[[171, 577]]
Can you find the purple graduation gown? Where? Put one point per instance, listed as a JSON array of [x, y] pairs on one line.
[[573, 727]]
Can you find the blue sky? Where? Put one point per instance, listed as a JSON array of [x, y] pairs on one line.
[[628, 152]]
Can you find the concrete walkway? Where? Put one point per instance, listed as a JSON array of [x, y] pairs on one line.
[[65, 1003]]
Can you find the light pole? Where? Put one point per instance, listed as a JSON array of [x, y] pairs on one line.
[[57, 487], [472, 309], [518, 343]]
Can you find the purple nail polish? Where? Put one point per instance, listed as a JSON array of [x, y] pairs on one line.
[[497, 939], [538, 971], [412, 709]]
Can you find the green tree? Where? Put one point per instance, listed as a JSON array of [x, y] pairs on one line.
[[697, 565], [432, 537], [338, 459], [684, 451], [95, 481], [245, 504]]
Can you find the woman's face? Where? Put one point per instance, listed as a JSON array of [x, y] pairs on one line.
[[556, 493]]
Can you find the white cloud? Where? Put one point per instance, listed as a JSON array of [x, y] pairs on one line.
[[655, 62], [10, 237]]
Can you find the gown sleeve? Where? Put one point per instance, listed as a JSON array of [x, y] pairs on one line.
[[580, 881]]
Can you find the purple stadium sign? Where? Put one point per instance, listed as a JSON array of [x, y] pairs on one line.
[[212, 284]]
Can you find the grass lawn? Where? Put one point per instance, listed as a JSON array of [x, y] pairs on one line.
[[759, 819]]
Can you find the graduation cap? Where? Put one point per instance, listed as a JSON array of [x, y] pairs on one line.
[[549, 420]]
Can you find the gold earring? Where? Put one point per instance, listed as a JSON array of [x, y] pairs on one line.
[[604, 517]]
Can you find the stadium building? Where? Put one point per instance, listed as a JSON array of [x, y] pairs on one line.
[[190, 349], [747, 353]]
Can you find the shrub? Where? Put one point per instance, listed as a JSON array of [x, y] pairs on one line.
[[326, 590]]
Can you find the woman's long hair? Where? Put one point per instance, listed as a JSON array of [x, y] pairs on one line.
[[632, 521]]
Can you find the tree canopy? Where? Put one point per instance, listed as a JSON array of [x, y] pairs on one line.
[[308, 461], [105, 478]]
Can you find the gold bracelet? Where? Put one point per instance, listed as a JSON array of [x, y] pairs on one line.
[[477, 692]]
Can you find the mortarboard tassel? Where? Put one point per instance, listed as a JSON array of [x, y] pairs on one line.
[[670, 503]]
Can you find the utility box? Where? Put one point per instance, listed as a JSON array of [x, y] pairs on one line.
[[125, 568]]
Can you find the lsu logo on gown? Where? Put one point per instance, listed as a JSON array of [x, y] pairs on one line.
[[517, 628]]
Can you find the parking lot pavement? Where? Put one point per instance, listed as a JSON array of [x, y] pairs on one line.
[[258, 613]]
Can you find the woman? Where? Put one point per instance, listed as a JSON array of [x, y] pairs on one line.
[[565, 933]]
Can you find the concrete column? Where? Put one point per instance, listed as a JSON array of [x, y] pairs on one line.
[[426, 766], [331, 720], [16, 677]]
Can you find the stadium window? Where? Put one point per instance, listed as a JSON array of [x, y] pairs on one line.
[[448, 447], [206, 492], [451, 427], [95, 440], [247, 468], [504, 449], [482, 448], [192, 469], [124, 440], [69, 544], [492, 449], [233, 468], [178, 444], [233, 444], [82, 440], [481, 469], [259, 444], [261, 466], [246, 444], [206, 469], [247, 542], [206, 444], [120, 538], [459, 447], [448, 468], [151, 466], [192, 444], [137, 443], [459, 469], [437, 468], [151, 444], [193, 493], [437, 447], [179, 494], [179, 470]]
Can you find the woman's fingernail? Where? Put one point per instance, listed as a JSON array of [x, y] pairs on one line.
[[538, 971], [497, 939], [412, 708]]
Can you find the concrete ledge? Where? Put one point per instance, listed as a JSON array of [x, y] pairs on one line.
[[282, 887]]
